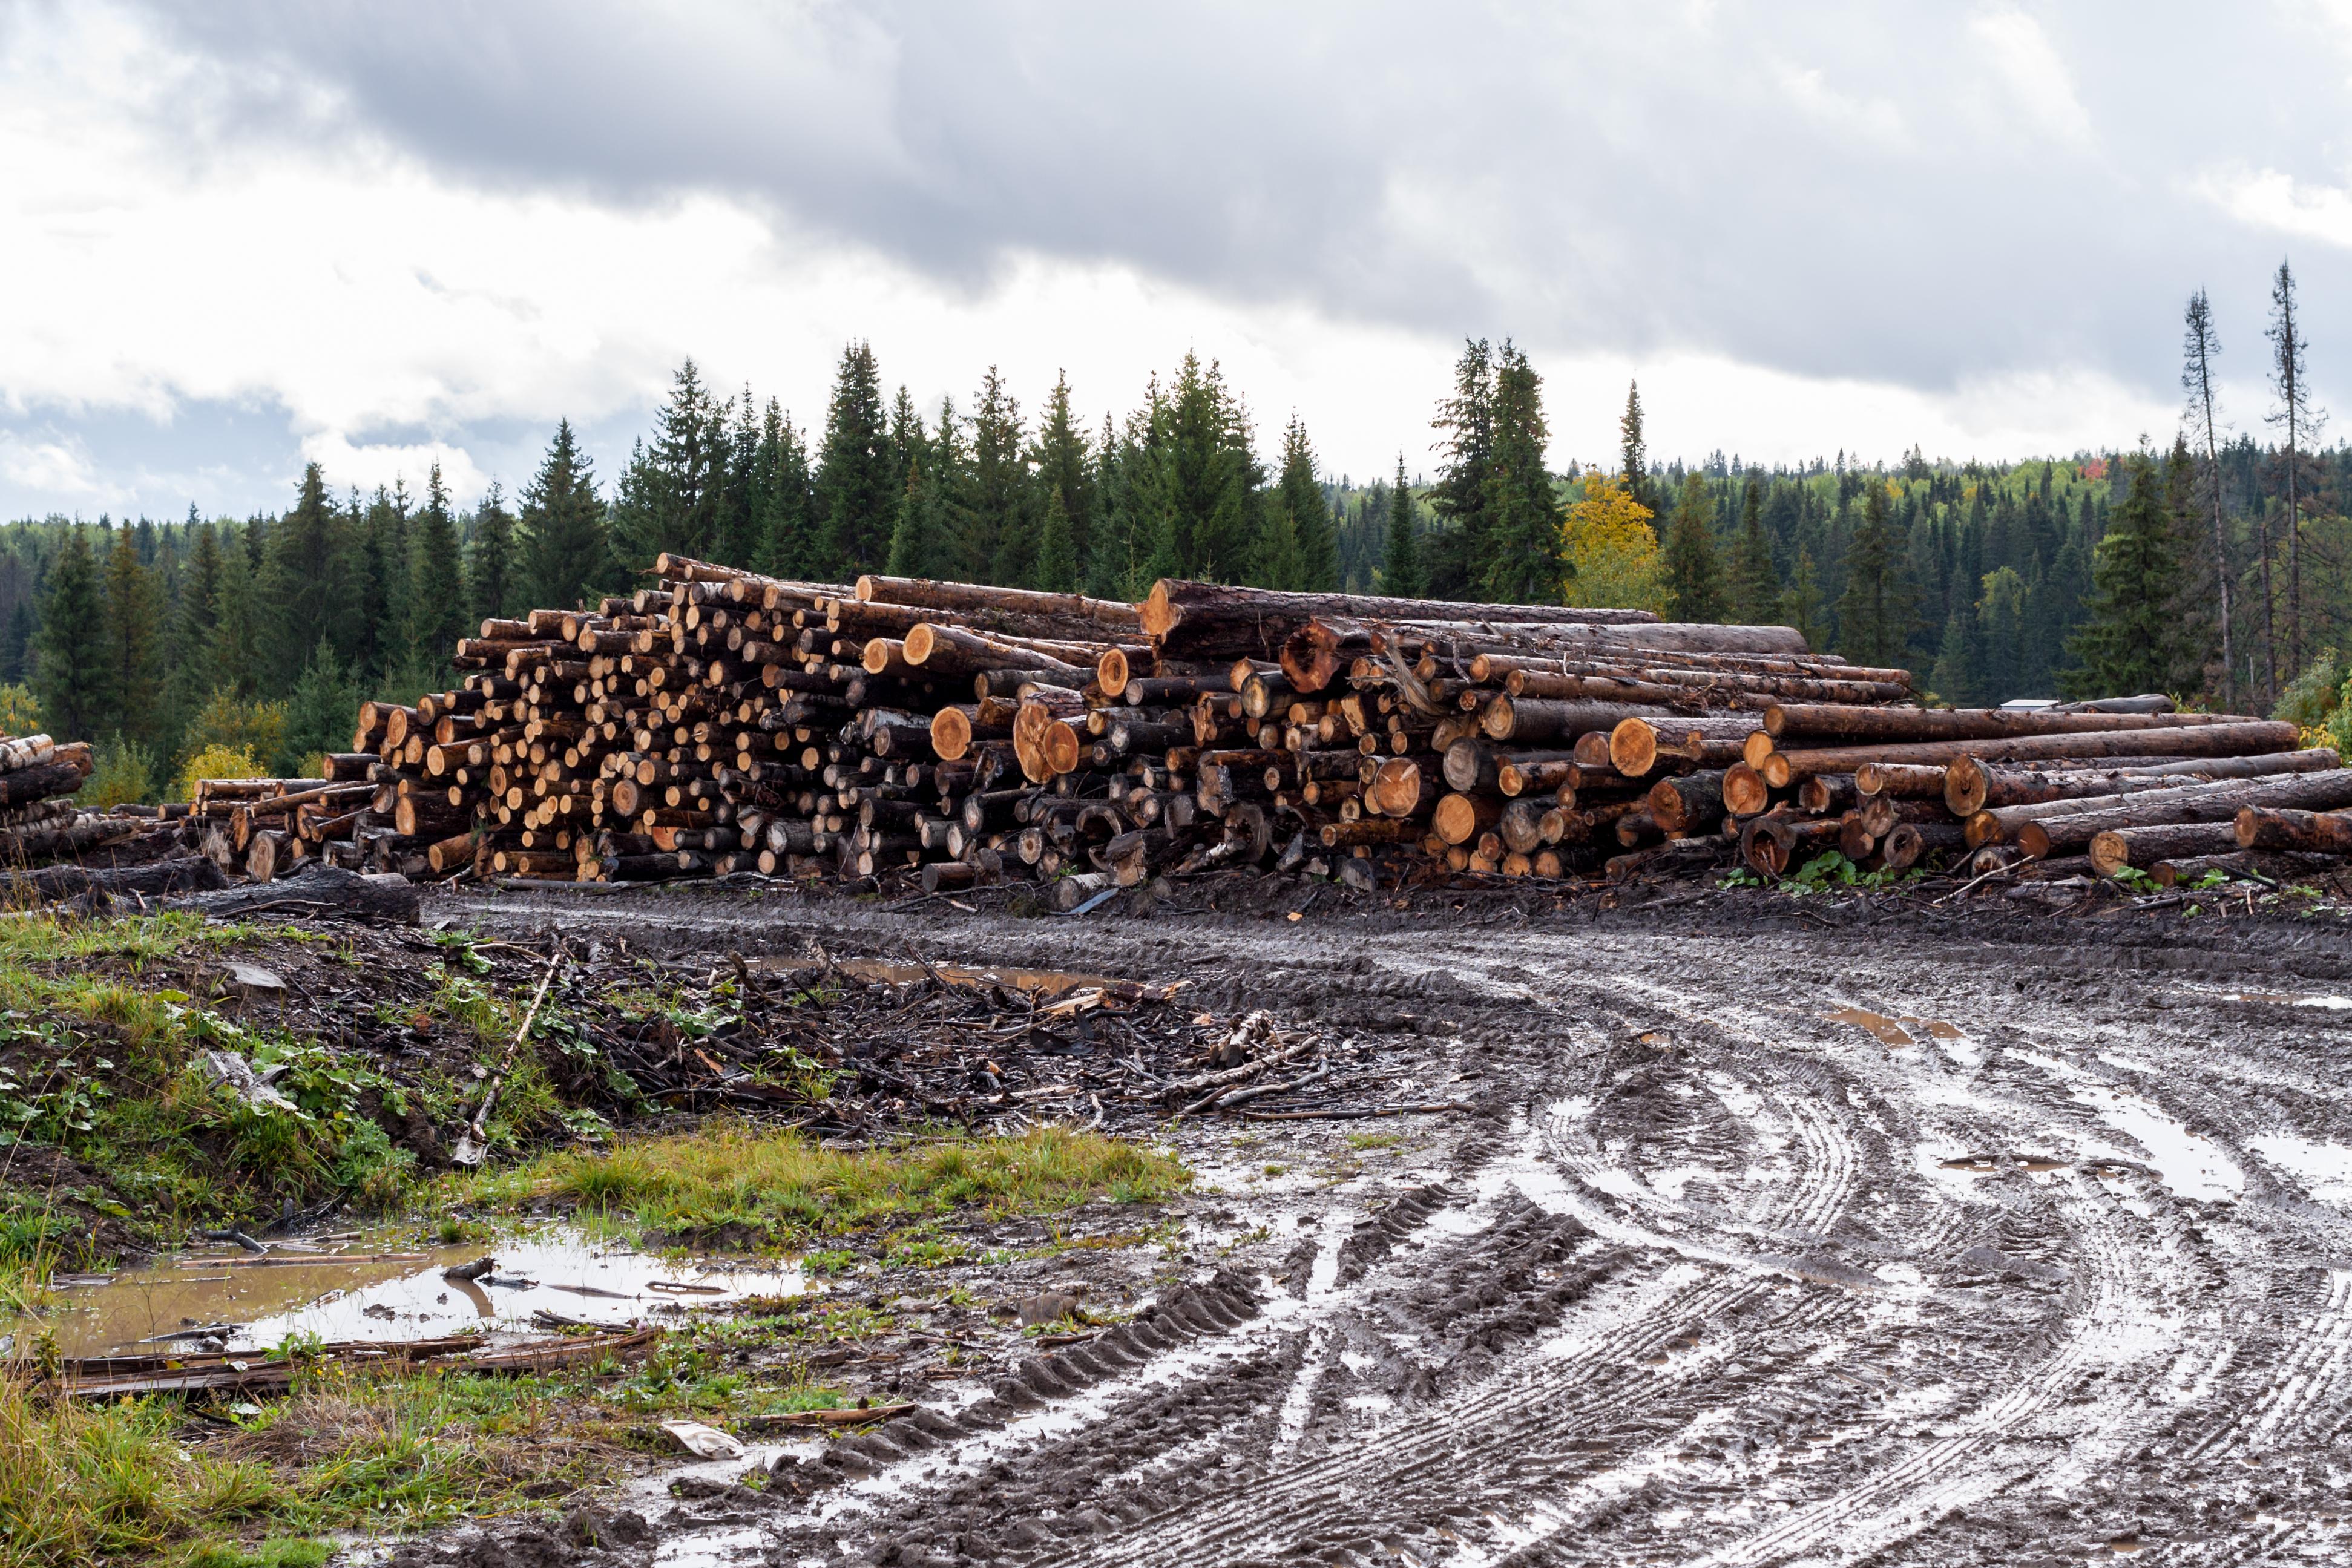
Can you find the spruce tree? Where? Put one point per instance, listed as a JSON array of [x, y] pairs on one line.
[[1062, 460], [999, 542], [1954, 675], [1459, 498], [738, 537], [856, 489], [1280, 563], [318, 713], [1754, 591], [1693, 573], [236, 660], [1633, 451], [134, 642], [382, 592], [194, 621], [1873, 613], [787, 526], [1204, 496], [1300, 493], [438, 609], [1804, 605], [72, 674], [492, 569], [306, 587], [565, 553], [1401, 574], [916, 546], [2130, 644], [1520, 561], [1057, 553], [677, 485]]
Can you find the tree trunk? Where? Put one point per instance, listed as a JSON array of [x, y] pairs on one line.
[[1971, 785], [2267, 826], [1834, 721], [2119, 848], [1111, 615], [1782, 768], [1690, 804], [2217, 802]]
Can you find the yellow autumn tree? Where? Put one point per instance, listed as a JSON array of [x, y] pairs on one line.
[[1610, 551]]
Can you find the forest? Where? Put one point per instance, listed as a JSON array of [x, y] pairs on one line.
[[2214, 568]]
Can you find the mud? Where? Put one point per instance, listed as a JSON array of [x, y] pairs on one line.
[[1712, 1270]]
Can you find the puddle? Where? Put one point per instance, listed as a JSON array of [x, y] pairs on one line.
[[2330, 1003], [369, 1295], [2324, 1170], [1897, 1030], [1044, 982]]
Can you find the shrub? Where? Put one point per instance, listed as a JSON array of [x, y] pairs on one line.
[[229, 721], [124, 774], [215, 762], [20, 711]]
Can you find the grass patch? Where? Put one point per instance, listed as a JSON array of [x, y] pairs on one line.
[[733, 1184]]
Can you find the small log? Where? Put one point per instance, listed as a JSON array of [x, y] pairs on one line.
[[1690, 803], [1839, 721], [1907, 843], [1782, 768], [317, 889], [2260, 827], [2215, 802], [1972, 785], [2118, 849], [1462, 818]]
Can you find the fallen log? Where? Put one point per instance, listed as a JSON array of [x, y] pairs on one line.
[[1972, 784], [2119, 849], [186, 874], [1841, 721], [1782, 768], [2266, 827], [316, 890], [2045, 836]]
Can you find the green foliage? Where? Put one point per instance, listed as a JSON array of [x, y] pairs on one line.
[[20, 710], [135, 614], [1057, 551], [2131, 642], [319, 715], [565, 548], [2311, 699], [122, 773], [1754, 589], [229, 723], [74, 676], [1694, 576], [856, 480], [1400, 568]]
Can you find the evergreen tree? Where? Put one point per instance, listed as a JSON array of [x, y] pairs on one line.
[[1521, 561], [72, 674], [1300, 493], [787, 529], [1953, 676], [1873, 611], [438, 609], [1804, 605], [917, 545], [1459, 498], [856, 489], [1061, 461], [382, 595], [493, 571], [1204, 494], [237, 663], [318, 713], [1754, 591], [134, 642], [1057, 553], [565, 553], [1280, 563], [737, 535], [2001, 636], [999, 542], [1634, 450], [305, 590], [676, 487], [194, 624], [2130, 641], [1693, 573], [1401, 574]]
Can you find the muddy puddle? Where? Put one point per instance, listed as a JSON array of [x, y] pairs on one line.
[[1899, 1030], [542, 1279]]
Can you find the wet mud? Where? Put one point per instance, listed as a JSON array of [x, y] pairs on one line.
[[1851, 1234]]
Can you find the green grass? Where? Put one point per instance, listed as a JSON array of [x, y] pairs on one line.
[[736, 1184]]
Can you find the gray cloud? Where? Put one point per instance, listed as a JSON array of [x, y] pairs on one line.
[[1909, 195]]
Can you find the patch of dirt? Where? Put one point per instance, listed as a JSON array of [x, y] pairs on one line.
[[1703, 1272]]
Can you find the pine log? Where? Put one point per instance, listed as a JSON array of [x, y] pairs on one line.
[[1111, 615], [1462, 818], [1904, 780], [2268, 827], [1907, 843], [1470, 765], [1744, 793], [1535, 772], [1690, 803], [2120, 848], [943, 650], [1972, 785], [2214, 802], [1636, 743], [1782, 768], [1837, 721], [1402, 788], [40, 781], [1770, 845], [1826, 794], [178, 874], [1507, 719], [1211, 620]]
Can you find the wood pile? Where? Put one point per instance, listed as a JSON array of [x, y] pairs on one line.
[[722, 722], [49, 845]]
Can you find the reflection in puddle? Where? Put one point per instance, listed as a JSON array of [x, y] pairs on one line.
[[1892, 1030], [554, 1271]]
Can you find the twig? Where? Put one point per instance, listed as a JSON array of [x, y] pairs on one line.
[[1997, 871], [471, 1149]]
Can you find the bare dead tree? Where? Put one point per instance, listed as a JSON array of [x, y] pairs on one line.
[[2200, 346], [2301, 422]]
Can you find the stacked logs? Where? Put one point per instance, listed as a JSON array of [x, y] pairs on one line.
[[720, 721]]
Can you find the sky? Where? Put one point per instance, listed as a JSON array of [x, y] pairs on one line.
[[241, 235]]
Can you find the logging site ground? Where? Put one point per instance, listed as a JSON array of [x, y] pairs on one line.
[[1246, 1221]]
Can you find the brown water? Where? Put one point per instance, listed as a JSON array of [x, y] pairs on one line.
[[366, 1295], [1897, 1030]]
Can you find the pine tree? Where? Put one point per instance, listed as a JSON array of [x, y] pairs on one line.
[[1693, 573], [2296, 413], [2130, 641], [492, 569], [856, 488], [1754, 590], [236, 662], [438, 609], [134, 644], [1057, 553], [1634, 450], [1204, 496], [1401, 574], [306, 587], [1803, 605], [916, 545], [1459, 498], [193, 622], [736, 540], [1520, 561], [1300, 493], [565, 552], [1061, 461], [72, 674], [1873, 613]]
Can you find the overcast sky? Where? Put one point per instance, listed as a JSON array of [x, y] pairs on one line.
[[237, 235]]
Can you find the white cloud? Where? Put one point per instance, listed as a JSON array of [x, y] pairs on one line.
[[2276, 201], [2039, 86], [49, 467]]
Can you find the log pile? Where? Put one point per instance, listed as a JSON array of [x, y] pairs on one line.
[[49, 843], [721, 722]]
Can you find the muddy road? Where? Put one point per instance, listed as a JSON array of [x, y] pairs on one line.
[[1844, 1240]]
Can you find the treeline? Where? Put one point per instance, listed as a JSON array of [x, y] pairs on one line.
[[1996, 580]]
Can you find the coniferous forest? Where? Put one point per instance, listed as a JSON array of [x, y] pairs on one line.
[[2217, 569]]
